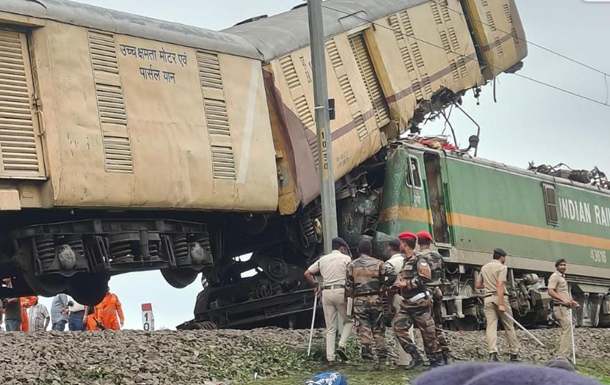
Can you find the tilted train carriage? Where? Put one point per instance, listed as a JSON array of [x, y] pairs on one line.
[[131, 144]]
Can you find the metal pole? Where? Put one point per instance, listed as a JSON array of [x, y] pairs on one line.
[[573, 343], [524, 329], [313, 322], [326, 174]]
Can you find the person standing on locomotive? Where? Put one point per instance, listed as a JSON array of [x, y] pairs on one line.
[[493, 281], [416, 306], [333, 268], [424, 239], [558, 289], [366, 277]]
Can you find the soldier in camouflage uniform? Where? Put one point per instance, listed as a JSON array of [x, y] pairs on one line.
[[416, 306], [424, 239], [366, 276]]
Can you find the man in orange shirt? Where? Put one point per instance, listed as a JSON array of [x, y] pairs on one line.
[[26, 302], [108, 310]]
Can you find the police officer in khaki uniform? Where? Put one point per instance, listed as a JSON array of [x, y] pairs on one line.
[[397, 259], [416, 305], [333, 267], [366, 278], [493, 281], [424, 240], [558, 289]]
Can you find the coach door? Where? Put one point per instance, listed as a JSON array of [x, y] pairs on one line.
[[436, 199], [20, 148]]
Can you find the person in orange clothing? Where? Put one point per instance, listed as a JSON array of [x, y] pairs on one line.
[[26, 302], [108, 310], [93, 321]]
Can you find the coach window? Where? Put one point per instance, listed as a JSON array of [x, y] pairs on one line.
[[413, 173], [550, 203]]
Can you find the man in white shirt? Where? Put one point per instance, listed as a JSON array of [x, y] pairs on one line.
[[76, 316], [333, 268], [397, 259], [39, 317]]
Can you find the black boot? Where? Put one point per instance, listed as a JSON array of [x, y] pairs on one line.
[[447, 358], [416, 359], [436, 360], [493, 357], [515, 358]]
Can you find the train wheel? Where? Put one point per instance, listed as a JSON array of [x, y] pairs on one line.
[[46, 285], [88, 289], [180, 278]]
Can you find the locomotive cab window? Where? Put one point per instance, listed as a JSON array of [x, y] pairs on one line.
[[550, 204], [413, 174]]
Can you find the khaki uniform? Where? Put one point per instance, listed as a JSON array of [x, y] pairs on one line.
[[438, 279], [562, 313], [366, 276], [397, 261], [333, 267], [415, 308], [492, 273]]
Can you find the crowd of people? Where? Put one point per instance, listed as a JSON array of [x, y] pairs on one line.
[[405, 292], [28, 314]]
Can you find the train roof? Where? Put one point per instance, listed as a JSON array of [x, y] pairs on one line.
[[281, 34], [507, 168], [89, 16]]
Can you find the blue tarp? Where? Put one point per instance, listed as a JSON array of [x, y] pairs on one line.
[[328, 379]]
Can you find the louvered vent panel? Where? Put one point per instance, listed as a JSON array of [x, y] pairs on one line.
[[117, 153], [111, 104], [333, 54], [419, 59], [509, 17], [446, 15], [290, 73], [455, 42], [490, 21], [365, 64], [406, 58], [312, 140], [304, 112], [436, 13], [462, 66], [17, 139], [515, 36], [217, 117], [361, 127], [427, 85], [454, 71], [498, 45], [485, 4], [417, 89], [346, 87], [395, 26], [223, 162], [445, 41], [103, 52], [406, 23], [209, 70]]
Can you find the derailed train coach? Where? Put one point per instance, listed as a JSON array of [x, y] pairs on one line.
[[390, 63], [134, 144], [472, 206]]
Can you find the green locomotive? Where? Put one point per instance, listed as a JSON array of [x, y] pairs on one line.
[[472, 205]]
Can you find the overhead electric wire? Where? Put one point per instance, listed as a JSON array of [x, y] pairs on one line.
[[523, 39], [557, 88]]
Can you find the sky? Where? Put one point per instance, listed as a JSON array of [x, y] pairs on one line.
[[529, 122]]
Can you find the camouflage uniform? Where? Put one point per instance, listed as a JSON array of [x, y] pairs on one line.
[[434, 286], [365, 278], [415, 310]]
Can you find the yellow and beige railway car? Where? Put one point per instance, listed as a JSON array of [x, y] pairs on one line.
[[128, 143], [389, 63], [103, 112]]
